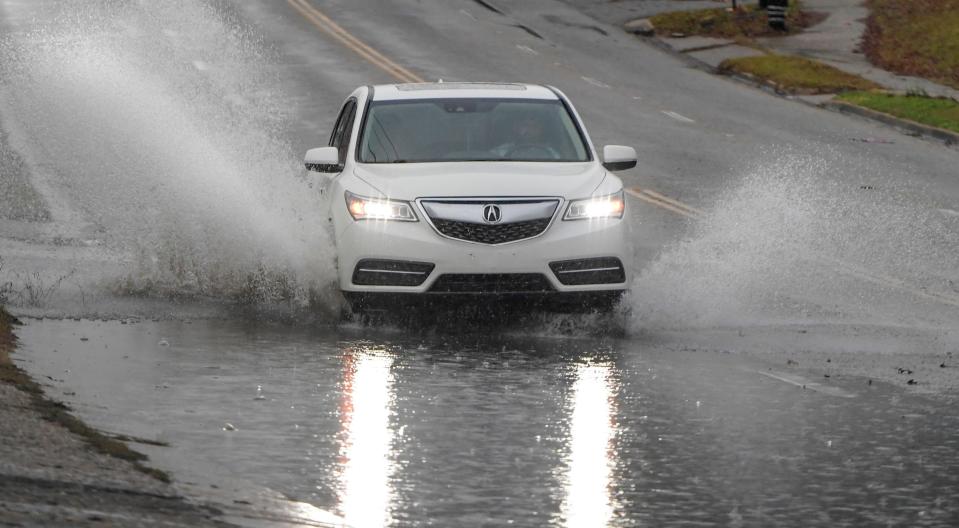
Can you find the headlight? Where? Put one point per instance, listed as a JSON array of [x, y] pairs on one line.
[[363, 208], [609, 206]]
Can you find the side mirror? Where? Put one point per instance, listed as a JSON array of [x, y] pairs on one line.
[[323, 159], [618, 157]]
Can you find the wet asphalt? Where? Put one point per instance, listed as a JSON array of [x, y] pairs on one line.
[[383, 426]]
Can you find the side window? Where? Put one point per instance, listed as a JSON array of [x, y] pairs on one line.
[[344, 126]]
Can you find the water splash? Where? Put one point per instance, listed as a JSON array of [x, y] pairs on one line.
[[162, 123], [803, 238]]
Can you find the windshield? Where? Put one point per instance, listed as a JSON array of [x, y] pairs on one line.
[[433, 130]]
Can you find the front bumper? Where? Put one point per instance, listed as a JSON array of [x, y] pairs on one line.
[[418, 242], [494, 304]]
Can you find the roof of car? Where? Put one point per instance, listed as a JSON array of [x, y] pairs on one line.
[[466, 90]]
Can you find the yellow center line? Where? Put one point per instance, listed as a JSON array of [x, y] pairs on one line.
[[328, 26], [661, 204], [667, 199], [665, 203], [331, 28]]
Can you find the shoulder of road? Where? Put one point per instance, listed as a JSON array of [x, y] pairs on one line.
[[57, 471], [821, 65]]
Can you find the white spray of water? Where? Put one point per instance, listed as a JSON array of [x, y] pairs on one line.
[[802, 239], [161, 122]]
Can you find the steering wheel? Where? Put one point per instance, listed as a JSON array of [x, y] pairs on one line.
[[550, 153]]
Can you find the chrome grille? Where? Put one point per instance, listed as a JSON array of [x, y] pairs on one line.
[[491, 234], [463, 219]]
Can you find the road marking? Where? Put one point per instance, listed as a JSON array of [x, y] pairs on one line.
[[799, 381], [594, 82], [678, 117], [677, 203], [889, 282], [949, 212], [527, 49], [326, 25], [665, 203], [467, 13]]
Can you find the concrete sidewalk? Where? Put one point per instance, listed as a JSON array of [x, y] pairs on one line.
[[834, 41]]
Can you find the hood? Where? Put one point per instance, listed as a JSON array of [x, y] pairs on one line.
[[482, 179]]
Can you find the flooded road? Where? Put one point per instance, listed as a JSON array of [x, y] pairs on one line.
[[386, 427]]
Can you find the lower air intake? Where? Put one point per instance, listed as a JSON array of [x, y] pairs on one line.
[[604, 270], [377, 272], [491, 283]]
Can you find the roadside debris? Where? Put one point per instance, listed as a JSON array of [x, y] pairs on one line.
[[873, 140], [642, 27]]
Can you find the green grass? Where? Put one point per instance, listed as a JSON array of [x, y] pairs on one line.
[[747, 22], [57, 412], [915, 37], [937, 112], [798, 75]]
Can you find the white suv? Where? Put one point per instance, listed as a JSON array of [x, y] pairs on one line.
[[459, 189]]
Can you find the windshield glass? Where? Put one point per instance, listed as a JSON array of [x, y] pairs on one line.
[[433, 130]]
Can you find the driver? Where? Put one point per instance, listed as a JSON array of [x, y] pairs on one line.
[[527, 141]]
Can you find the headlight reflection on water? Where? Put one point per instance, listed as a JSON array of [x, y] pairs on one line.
[[366, 466], [590, 462]]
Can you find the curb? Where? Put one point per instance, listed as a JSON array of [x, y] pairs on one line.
[[904, 126], [691, 61], [909, 128], [699, 64]]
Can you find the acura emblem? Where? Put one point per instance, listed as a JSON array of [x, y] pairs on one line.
[[492, 214]]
